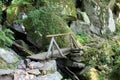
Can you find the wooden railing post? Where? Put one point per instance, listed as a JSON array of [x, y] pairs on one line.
[[51, 48]]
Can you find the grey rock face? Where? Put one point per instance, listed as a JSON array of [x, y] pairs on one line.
[[8, 56], [111, 22], [79, 26], [6, 72]]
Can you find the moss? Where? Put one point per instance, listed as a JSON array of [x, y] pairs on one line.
[[91, 52], [45, 22], [91, 56], [4, 65], [66, 8]]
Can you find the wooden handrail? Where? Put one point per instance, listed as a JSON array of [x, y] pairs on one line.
[[56, 35]]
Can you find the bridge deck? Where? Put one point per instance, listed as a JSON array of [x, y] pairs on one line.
[[42, 56]]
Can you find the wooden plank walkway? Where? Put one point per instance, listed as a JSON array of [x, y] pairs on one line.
[[42, 56]]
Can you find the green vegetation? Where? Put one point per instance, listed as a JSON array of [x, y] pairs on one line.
[[0, 10], [44, 21], [118, 28], [4, 65], [44, 17], [6, 38], [83, 38]]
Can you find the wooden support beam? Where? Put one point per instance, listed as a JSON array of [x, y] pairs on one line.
[[73, 42], [52, 43]]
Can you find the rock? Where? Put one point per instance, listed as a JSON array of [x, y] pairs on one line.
[[6, 77], [8, 59], [8, 56], [77, 27], [34, 72], [27, 61], [22, 75], [70, 63], [101, 19], [65, 8], [111, 22], [54, 76], [38, 36], [93, 13], [94, 29], [22, 65], [19, 74], [77, 59], [79, 54], [6, 72], [19, 27], [35, 65], [49, 66], [84, 16]]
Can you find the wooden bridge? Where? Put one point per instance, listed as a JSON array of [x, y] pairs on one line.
[[59, 52]]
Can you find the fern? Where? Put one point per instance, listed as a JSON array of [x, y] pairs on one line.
[[6, 38]]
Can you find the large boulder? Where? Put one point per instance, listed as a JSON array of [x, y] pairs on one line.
[[47, 24], [8, 59], [101, 19]]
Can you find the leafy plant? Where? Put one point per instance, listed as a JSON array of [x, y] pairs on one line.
[[43, 20], [114, 75], [83, 38], [117, 28], [6, 38]]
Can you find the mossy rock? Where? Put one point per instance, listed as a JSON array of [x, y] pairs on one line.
[[47, 24], [5, 65], [8, 59], [66, 8]]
